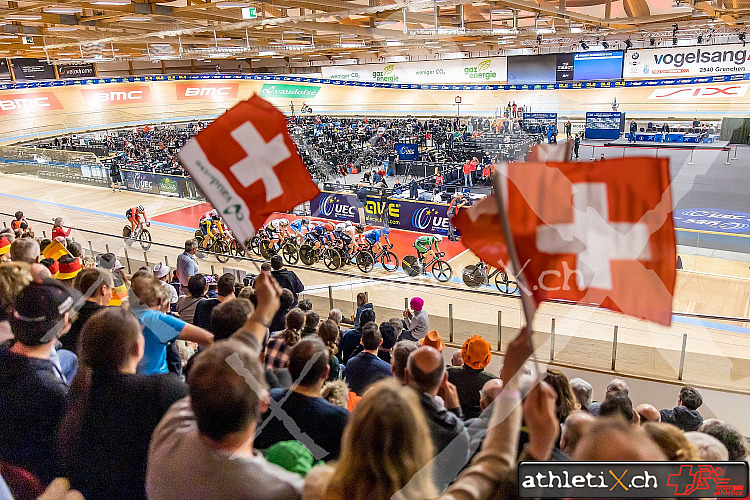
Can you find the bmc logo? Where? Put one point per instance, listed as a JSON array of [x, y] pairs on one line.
[[28, 103], [217, 91], [118, 95]]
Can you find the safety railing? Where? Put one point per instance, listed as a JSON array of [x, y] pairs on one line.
[[713, 352]]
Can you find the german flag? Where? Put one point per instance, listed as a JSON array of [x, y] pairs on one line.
[[54, 250], [119, 292]]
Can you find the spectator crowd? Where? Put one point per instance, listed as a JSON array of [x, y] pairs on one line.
[[176, 385]]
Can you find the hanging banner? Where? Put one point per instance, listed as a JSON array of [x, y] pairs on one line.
[[210, 91], [675, 62], [83, 70], [27, 70], [127, 94], [491, 69], [407, 151]]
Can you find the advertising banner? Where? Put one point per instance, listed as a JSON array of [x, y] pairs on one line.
[[211, 91], [270, 90], [128, 94], [724, 221], [32, 69], [491, 69], [677, 62], [420, 216], [407, 151], [147, 182], [701, 92], [597, 65], [84, 70], [31, 102]]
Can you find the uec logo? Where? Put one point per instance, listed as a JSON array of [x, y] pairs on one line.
[[329, 207], [423, 218]]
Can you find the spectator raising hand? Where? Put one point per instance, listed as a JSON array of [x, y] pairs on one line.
[[541, 419]]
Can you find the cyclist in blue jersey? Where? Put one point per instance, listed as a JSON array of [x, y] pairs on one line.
[[297, 225], [373, 238], [322, 233]]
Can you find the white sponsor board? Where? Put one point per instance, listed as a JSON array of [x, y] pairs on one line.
[[723, 91], [677, 62], [491, 69]]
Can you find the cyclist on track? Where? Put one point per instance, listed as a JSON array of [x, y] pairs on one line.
[[20, 223], [346, 232], [136, 216], [296, 227], [206, 224], [277, 230], [427, 246], [322, 233], [373, 238]]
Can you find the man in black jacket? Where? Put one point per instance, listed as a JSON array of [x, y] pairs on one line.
[[286, 278], [685, 415]]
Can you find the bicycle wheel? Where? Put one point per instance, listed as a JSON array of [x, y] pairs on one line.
[[265, 248], [126, 235], [222, 251], [307, 255], [236, 250], [365, 262], [411, 266], [145, 240], [255, 244], [442, 271], [474, 276], [290, 253], [505, 285], [331, 259], [389, 261]]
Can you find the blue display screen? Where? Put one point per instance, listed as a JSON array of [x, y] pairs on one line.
[[598, 65]]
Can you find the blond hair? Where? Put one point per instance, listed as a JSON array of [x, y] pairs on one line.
[[672, 441], [386, 446], [14, 276]]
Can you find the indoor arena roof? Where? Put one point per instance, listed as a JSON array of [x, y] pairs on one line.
[[357, 30]]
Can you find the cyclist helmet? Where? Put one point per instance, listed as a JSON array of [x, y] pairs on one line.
[[360, 228], [328, 226], [214, 213], [305, 222], [348, 223], [386, 231], [438, 237], [141, 208], [215, 217], [284, 222]]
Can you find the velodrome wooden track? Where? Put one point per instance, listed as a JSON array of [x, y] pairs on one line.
[[715, 357], [158, 101]]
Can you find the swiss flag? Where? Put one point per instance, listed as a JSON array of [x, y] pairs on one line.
[[596, 233], [247, 166]]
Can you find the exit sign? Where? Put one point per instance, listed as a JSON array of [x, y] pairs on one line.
[[249, 13], [27, 40]]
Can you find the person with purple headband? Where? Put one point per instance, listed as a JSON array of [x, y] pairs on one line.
[[416, 320]]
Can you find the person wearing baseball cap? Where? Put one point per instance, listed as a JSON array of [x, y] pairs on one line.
[[471, 377], [161, 272], [33, 392]]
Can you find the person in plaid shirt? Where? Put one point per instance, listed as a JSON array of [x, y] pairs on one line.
[[280, 343]]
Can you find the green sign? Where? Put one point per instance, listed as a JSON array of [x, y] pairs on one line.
[[290, 91], [249, 13], [167, 185]]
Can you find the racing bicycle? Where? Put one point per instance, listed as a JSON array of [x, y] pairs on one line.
[[217, 244], [332, 256], [366, 258], [476, 276], [141, 235], [414, 266]]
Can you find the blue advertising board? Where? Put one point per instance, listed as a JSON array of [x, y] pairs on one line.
[[147, 182], [603, 124], [420, 216], [407, 151], [708, 219]]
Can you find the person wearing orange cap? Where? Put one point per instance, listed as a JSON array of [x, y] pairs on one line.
[[471, 377], [4, 249]]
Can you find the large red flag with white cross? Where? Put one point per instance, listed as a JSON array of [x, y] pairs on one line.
[[247, 166], [596, 233]]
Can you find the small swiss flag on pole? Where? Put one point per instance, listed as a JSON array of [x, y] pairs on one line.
[[247, 166]]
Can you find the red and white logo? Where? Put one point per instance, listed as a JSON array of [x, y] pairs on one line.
[[701, 92], [211, 91], [28, 103], [247, 166], [112, 96]]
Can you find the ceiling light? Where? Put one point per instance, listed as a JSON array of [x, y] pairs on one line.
[[232, 5], [545, 31], [584, 46], [63, 10], [432, 42], [605, 44], [23, 17], [393, 43], [110, 2], [577, 29], [504, 31], [136, 19], [294, 32], [62, 28], [278, 57], [222, 39], [266, 53]]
